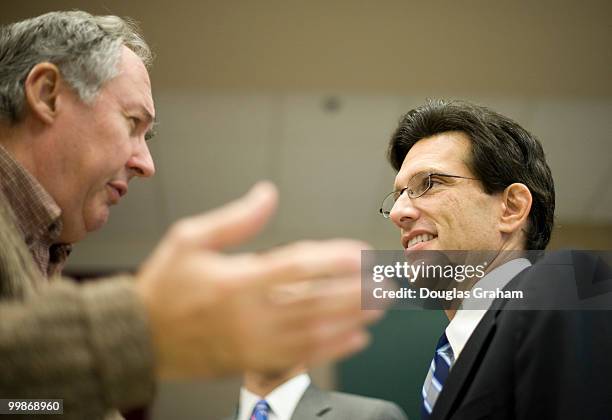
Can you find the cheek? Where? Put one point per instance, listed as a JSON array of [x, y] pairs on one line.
[[112, 158], [100, 170], [462, 222], [113, 145], [99, 174], [448, 210], [97, 198], [481, 222]]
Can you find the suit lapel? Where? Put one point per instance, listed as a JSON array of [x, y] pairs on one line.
[[313, 404], [465, 368], [463, 372]]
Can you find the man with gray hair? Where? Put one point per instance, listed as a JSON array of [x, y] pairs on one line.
[[75, 112]]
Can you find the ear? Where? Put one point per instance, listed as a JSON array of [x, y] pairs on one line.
[[41, 89], [516, 204]]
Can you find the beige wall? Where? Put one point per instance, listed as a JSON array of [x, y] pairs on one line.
[[581, 236], [507, 47]]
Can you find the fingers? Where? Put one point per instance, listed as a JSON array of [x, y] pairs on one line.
[[232, 223], [326, 297], [326, 342], [309, 260], [331, 311], [310, 343], [326, 322]]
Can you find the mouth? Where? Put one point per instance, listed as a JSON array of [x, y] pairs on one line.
[[417, 240], [117, 190]]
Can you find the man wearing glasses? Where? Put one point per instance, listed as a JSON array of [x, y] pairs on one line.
[[470, 179]]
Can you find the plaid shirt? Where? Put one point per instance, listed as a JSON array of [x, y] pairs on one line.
[[37, 215]]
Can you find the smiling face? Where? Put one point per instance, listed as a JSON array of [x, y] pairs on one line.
[[97, 149], [455, 214]]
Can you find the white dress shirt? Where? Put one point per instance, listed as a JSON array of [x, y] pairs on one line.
[[282, 400], [466, 320]]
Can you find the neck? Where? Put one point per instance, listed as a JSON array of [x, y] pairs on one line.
[[502, 257], [263, 384]]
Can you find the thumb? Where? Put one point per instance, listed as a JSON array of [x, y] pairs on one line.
[[236, 221]]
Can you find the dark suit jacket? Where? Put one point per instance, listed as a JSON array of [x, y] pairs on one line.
[[326, 405], [537, 364]]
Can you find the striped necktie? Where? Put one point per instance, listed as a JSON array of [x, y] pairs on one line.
[[438, 372], [261, 410]]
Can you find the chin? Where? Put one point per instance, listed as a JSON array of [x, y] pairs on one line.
[[97, 220]]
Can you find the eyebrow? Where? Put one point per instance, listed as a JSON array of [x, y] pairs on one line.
[[152, 131], [429, 170], [396, 187]]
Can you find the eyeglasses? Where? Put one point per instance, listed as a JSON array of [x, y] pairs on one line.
[[417, 186]]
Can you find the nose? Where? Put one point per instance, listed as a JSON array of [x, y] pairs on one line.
[[141, 162], [404, 212]]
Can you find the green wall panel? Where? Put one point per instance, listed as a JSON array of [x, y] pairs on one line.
[[395, 364]]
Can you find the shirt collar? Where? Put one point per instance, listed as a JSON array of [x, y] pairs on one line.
[[37, 214], [282, 400], [465, 321]]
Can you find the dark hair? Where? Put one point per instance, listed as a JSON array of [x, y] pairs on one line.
[[502, 153]]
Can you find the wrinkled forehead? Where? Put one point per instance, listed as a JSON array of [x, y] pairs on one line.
[[446, 153]]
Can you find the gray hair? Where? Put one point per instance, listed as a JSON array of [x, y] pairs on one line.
[[85, 48]]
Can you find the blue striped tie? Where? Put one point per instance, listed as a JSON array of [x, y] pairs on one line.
[[261, 410], [438, 372]]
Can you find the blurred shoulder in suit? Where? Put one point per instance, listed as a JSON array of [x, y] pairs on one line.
[[292, 396]]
